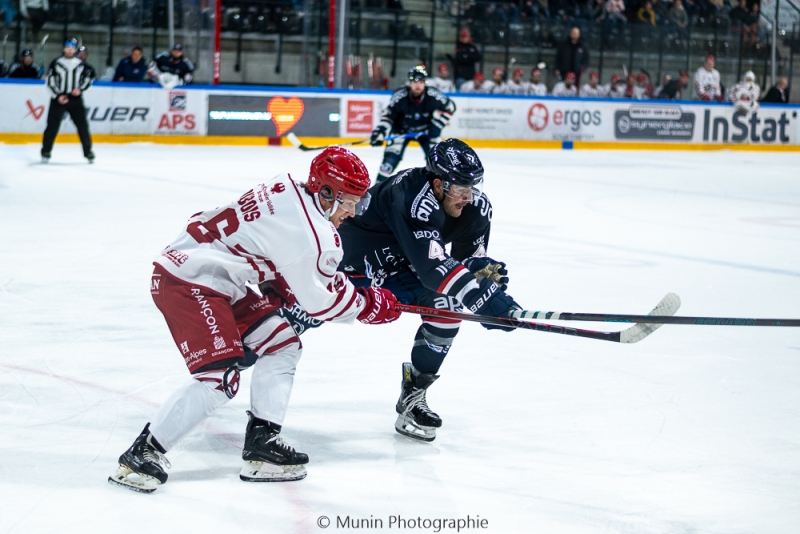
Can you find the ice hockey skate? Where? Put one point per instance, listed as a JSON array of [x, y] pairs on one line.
[[415, 420], [267, 458], [45, 158], [140, 467]]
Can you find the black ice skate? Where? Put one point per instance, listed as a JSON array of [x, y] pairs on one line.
[[267, 458], [45, 157], [415, 419], [140, 467], [90, 157]]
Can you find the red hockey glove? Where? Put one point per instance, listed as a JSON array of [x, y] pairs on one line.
[[379, 306], [720, 98], [705, 97], [277, 292]]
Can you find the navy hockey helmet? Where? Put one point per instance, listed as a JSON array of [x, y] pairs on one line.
[[418, 73], [26, 52], [455, 163]]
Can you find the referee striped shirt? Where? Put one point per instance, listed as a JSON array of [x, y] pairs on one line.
[[67, 74]]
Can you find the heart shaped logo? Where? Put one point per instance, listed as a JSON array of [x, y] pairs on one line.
[[285, 113], [36, 111]]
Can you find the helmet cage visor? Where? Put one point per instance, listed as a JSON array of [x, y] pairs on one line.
[[463, 192]]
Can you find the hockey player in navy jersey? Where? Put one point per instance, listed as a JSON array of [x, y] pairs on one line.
[[399, 244], [415, 108]]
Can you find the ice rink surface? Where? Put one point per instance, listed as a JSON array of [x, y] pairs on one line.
[[693, 430]]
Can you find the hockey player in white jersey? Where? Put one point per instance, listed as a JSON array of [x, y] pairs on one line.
[[496, 85], [706, 81], [614, 89], [442, 81], [476, 85], [592, 89], [567, 87], [515, 86], [745, 94], [535, 87], [280, 236]]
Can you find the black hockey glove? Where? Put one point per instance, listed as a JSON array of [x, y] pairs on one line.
[[376, 139], [491, 301], [485, 267]]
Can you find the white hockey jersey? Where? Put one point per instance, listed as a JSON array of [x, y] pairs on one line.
[[561, 89], [535, 89], [592, 92], [445, 86], [493, 88], [513, 88], [744, 95], [276, 227], [469, 87], [706, 82], [619, 92]]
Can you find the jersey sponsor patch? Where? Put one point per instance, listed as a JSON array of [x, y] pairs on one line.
[[424, 204]]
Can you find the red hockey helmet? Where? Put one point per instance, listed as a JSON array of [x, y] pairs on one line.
[[642, 77], [594, 74], [518, 73], [570, 76], [616, 78], [497, 70], [337, 172], [536, 71], [443, 67], [479, 77]]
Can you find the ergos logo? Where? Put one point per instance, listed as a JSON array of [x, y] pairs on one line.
[[539, 118], [753, 129]]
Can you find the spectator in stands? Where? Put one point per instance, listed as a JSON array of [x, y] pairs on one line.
[[706, 81], [678, 18], [35, 12], [673, 89], [535, 87], [778, 93], [614, 89], [467, 55], [646, 14], [592, 89], [25, 67], [716, 9], [9, 14], [132, 68], [741, 17], [172, 68], [572, 56], [567, 87], [615, 12], [473, 86]]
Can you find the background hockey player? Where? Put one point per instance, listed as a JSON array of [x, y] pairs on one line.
[[414, 108], [614, 89], [171, 69], [644, 89], [442, 81], [25, 67], [280, 235], [475, 85], [496, 85], [706, 81], [399, 244], [567, 87], [745, 94], [515, 86], [88, 69], [535, 87], [68, 78], [592, 89], [673, 89]]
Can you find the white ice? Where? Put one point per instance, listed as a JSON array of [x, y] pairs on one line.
[[693, 430]]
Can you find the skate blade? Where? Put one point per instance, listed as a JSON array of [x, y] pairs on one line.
[[410, 429], [267, 472], [139, 482]]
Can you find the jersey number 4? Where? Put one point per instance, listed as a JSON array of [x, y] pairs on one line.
[[225, 223]]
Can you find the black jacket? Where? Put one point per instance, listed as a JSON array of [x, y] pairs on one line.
[[130, 71], [182, 67], [776, 95], [572, 58], [464, 61], [18, 70], [406, 226]]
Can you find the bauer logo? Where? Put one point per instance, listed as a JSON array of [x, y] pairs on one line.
[[359, 116], [653, 122]]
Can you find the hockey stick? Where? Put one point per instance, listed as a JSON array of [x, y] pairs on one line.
[[668, 306], [41, 55], [621, 318], [297, 143], [5, 40]]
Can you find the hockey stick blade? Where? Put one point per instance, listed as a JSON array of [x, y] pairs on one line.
[[295, 141], [654, 319], [668, 306]]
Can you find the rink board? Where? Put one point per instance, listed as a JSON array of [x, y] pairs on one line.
[[253, 116]]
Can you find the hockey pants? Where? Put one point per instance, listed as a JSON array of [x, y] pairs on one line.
[[55, 115]]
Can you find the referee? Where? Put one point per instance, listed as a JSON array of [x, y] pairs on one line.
[[68, 78]]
